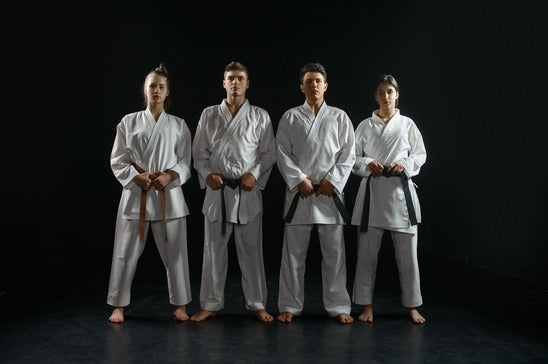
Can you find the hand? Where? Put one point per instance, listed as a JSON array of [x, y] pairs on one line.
[[396, 168], [143, 180], [375, 168], [306, 188], [326, 188], [160, 180], [247, 181], [214, 181]]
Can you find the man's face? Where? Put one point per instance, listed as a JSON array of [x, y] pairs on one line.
[[235, 83], [313, 86]]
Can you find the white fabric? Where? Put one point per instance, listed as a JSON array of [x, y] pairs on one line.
[[232, 147], [405, 249], [249, 248], [398, 141], [155, 146], [291, 286], [128, 247], [315, 147]]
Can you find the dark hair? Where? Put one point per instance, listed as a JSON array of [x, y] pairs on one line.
[[161, 70], [387, 79], [236, 66], [312, 67]]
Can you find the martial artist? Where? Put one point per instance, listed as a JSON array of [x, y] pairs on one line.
[[234, 150], [315, 155], [151, 158], [389, 151]]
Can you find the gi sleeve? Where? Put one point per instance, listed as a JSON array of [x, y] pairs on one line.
[[267, 153], [201, 150], [362, 160], [183, 151], [345, 157], [287, 162], [417, 152], [120, 161]]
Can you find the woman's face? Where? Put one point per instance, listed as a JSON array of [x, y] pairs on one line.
[[156, 89], [386, 96]]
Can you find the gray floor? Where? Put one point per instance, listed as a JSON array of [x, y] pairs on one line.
[[75, 329]]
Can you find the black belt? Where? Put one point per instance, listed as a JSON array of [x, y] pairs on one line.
[[409, 202], [340, 206], [232, 183]]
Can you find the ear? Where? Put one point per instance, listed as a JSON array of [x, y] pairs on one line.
[[301, 86], [325, 86]]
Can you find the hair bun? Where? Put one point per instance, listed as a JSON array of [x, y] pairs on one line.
[[161, 69]]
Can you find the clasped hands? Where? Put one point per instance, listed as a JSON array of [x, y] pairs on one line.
[[215, 181], [377, 169], [158, 180], [306, 188]]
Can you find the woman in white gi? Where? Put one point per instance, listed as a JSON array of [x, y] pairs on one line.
[[151, 159], [389, 151], [234, 150], [315, 156]]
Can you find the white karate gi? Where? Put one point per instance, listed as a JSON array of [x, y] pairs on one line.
[[233, 146], [315, 147], [398, 141], [155, 146]]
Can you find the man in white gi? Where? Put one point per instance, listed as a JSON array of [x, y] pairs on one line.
[[151, 159], [234, 150], [315, 155], [389, 151]]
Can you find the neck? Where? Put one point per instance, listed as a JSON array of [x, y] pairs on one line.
[[156, 110], [386, 114], [315, 105], [234, 103]]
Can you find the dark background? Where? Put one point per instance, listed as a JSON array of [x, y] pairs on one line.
[[472, 77]]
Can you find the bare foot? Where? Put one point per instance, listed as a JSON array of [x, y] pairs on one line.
[[202, 315], [344, 318], [117, 315], [285, 317], [181, 314], [415, 316], [263, 316], [367, 314]]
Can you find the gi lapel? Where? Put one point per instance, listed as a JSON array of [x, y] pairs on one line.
[[309, 151], [233, 125], [152, 144]]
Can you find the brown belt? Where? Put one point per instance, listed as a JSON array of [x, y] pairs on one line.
[[143, 208]]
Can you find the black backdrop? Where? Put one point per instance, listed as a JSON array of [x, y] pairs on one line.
[[472, 77]]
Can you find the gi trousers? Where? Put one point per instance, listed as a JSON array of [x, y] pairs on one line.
[[248, 239], [291, 286], [128, 247], [405, 247]]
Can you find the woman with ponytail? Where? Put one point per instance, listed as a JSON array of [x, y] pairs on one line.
[[151, 159]]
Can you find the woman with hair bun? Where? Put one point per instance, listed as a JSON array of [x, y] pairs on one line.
[[151, 159], [389, 151]]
